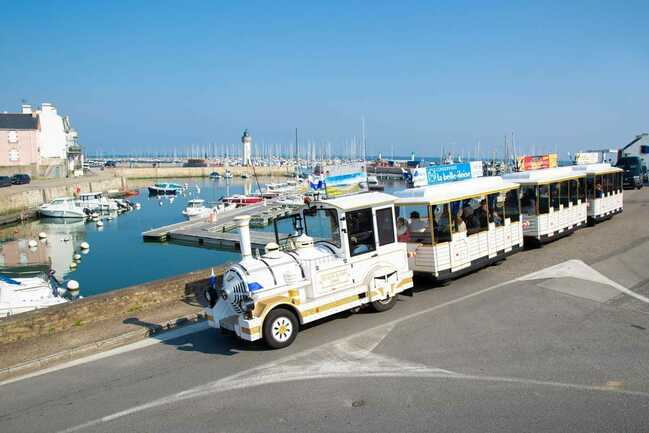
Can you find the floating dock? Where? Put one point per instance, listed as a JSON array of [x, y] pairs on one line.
[[218, 232]]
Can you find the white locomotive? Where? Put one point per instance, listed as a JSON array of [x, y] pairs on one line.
[[335, 255]]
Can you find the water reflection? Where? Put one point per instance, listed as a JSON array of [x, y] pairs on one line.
[[56, 251]]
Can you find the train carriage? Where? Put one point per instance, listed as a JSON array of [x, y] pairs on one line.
[[553, 202], [604, 186], [457, 227]]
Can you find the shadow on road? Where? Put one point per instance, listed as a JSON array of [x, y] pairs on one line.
[[208, 341]]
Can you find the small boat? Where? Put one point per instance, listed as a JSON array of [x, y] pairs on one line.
[[373, 184], [196, 208], [63, 207], [131, 193], [19, 295], [215, 175], [95, 201], [242, 200], [227, 175], [165, 188], [245, 175]]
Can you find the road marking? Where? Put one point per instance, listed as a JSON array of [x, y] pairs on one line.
[[579, 269], [150, 341]]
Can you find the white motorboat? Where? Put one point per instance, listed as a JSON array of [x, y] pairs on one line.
[[95, 201], [19, 295], [373, 184], [196, 209], [62, 207]]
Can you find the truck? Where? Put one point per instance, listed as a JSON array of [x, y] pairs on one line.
[[635, 171], [334, 255]]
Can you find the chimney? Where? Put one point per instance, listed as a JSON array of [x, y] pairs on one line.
[[243, 223], [26, 109]]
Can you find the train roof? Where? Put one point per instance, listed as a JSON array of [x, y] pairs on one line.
[[601, 168], [357, 201], [454, 190], [545, 175]]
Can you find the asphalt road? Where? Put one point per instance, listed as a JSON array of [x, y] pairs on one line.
[[549, 340]]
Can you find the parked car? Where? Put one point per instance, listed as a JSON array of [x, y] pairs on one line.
[[5, 181], [20, 178], [110, 164]]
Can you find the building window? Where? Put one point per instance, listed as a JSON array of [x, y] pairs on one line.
[[644, 149], [14, 155], [12, 136]]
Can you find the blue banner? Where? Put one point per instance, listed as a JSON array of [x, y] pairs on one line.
[[448, 173]]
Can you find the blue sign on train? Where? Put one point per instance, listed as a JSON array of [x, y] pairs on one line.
[[435, 174], [448, 173]]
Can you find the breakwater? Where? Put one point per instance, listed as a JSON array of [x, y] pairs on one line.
[[181, 172]]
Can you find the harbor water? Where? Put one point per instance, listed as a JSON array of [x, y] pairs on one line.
[[118, 257]]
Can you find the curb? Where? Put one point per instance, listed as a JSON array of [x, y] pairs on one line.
[[102, 345]]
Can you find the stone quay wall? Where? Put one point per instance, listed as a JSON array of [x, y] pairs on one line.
[[21, 198], [120, 303]]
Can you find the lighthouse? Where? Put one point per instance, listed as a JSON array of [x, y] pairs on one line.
[[246, 144]]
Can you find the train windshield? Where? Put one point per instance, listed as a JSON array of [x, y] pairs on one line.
[[322, 225]]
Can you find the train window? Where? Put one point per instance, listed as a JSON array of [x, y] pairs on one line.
[[512, 206], [619, 182], [544, 199], [322, 225], [528, 199], [605, 184], [564, 194], [496, 202], [413, 224], [599, 187], [360, 231], [582, 189], [474, 212], [590, 187], [385, 226], [441, 222], [554, 196], [574, 191]]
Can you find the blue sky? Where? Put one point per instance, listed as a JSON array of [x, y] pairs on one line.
[[157, 75]]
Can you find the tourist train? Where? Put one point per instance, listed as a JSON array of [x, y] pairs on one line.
[[362, 250]]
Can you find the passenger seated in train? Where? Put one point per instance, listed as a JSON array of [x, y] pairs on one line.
[[460, 225], [418, 227], [403, 235], [599, 192]]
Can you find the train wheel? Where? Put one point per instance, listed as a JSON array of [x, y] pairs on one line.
[[384, 304], [280, 328]]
